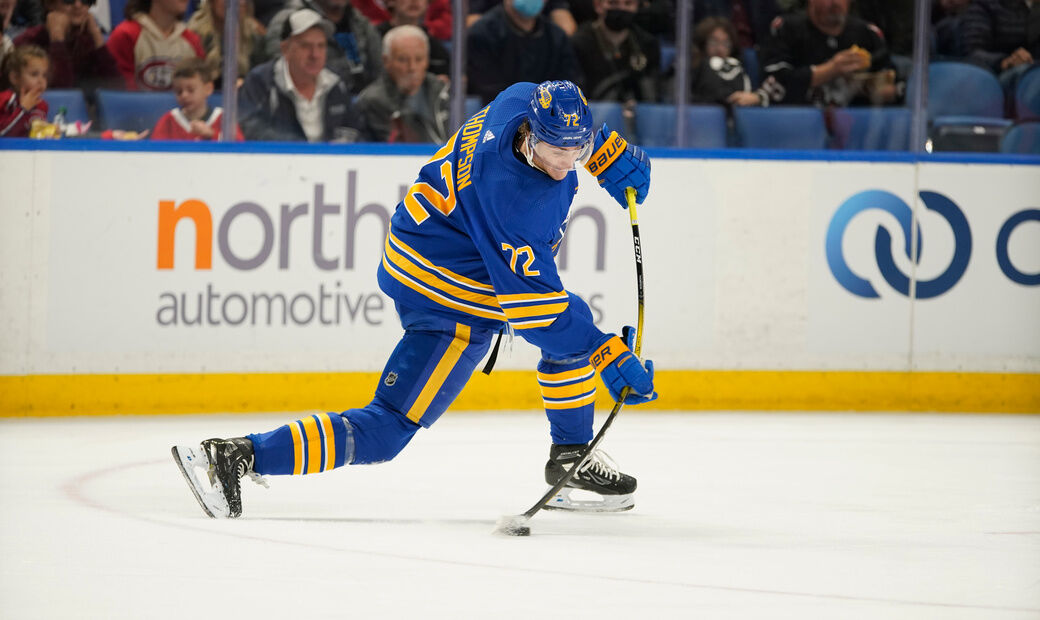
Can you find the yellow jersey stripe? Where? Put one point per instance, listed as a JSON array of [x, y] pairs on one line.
[[447, 273], [578, 402], [440, 373], [330, 441], [569, 375], [297, 443], [310, 429], [542, 310], [532, 323], [437, 297], [434, 282], [533, 296]]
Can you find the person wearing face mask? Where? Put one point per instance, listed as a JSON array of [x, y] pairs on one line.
[[73, 40], [620, 60], [514, 42]]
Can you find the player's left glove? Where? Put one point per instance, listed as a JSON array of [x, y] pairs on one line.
[[619, 367], [616, 164]]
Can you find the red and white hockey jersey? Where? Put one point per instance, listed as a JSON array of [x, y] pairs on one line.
[[145, 57], [15, 121], [174, 125]]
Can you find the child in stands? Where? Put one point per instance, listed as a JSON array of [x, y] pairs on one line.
[[26, 70], [193, 119]]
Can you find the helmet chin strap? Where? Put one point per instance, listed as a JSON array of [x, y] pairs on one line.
[[527, 148]]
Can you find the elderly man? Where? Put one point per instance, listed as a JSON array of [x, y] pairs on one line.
[[407, 103], [514, 42], [827, 57], [295, 97], [353, 45]]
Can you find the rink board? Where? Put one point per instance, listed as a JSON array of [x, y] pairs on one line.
[[174, 281]]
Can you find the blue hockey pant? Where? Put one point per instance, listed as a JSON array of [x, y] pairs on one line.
[[425, 373]]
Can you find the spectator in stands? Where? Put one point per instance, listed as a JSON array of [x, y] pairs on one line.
[[620, 60], [26, 70], [295, 97], [407, 103], [353, 48], [6, 13], [151, 41], [827, 57], [718, 74], [435, 18], [208, 23], [192, 119], [1003, 36], [73, 40], [947, 29], [750, 18], [412, 12], [512, 43], [21, 15], [556, 11]]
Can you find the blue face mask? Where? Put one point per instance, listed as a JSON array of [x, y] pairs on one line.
[[528, 8]]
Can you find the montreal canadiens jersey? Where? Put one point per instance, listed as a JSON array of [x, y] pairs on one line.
[[475, 238]]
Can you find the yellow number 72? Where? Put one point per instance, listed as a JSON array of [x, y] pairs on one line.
[[514, 253]]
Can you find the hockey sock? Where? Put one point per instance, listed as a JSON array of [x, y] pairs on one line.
[[569, 394], [311, 445]]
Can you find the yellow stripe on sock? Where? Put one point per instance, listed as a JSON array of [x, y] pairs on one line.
[[297, 444], [440, 373], [310, 427], [330, 441]]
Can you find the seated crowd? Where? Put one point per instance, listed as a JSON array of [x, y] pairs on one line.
[[379, 70]]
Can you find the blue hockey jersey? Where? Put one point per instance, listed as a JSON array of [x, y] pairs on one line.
[[475, 238]]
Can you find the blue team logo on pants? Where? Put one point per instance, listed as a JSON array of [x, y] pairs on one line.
[[890, 203]]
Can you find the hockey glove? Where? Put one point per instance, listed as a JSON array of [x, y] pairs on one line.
[[616, 164], [619, 368]]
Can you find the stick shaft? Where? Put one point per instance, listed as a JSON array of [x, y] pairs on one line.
[[633, 219]]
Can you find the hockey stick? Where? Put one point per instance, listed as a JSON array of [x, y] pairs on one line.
[[516, 525]]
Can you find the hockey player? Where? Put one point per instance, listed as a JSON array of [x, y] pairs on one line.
[[470, 253]]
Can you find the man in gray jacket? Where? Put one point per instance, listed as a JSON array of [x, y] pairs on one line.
[[353, 44], [295, 97], [407, 103]]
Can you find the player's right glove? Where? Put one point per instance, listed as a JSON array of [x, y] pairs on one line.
[[619, 367], [616, 164]]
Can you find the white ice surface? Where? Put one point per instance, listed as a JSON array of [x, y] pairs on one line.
[[737, 516]]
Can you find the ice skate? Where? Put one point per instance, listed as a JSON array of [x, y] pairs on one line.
[[598, 475], [225, 462]]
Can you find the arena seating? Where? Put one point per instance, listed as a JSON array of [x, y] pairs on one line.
[[871, 129], [705, 125], [73, 102], [1027, 96], [787, 127], [1023, 139]]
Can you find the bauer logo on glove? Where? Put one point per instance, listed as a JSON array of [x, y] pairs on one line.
[[618, 165]]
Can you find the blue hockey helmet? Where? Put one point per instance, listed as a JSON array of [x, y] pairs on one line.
[[559, 114]]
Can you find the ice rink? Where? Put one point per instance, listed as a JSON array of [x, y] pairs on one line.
[[738, 515]]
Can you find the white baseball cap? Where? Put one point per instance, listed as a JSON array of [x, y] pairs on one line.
[[303, 20]]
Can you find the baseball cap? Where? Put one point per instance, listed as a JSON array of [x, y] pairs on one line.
[[303, 20]]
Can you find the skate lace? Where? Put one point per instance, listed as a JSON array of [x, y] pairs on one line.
[[246, 469], [601, 463]]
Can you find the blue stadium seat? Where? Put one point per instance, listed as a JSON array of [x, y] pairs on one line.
[[1027, 96], [472, 106], [872, 129], [950, 82], [705, 125], [781, 127], [667, 56], [608, 112], [1023, 138], [751, 66], [73, 102], [132, 111]]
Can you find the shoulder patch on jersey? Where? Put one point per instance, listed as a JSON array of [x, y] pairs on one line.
[[873, 28], [488, 136], [776, 23]]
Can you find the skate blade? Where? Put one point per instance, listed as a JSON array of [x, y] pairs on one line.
[[604, 503], [192, 462]]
